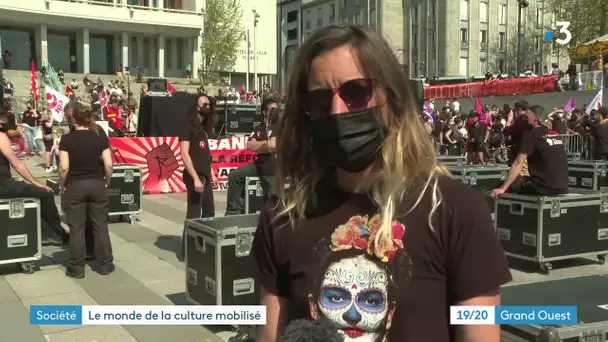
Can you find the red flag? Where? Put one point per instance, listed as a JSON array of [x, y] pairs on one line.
[[478, 105], [170, 88], [103, 99], [34, 82], [69, 91]]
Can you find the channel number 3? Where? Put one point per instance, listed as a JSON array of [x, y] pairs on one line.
[[564, 31]]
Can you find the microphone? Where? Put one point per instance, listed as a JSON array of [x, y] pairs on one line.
[[304, 330]]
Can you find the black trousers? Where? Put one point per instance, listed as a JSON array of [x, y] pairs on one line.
[[87, 200], [88, 232], [50, 220], [525, 185], [199, 205], [235, 201]]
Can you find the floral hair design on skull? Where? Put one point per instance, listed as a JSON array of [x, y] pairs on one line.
[[359, 285], [360, 232]]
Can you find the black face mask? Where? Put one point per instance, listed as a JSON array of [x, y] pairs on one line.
[[349, 141], [204, 111]]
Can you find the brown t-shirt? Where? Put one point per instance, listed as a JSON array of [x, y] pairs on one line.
[[459, 258]]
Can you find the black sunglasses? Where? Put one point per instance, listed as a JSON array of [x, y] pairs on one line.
[[355, 93]]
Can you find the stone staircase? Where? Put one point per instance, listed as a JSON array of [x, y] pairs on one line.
[[21, 81]]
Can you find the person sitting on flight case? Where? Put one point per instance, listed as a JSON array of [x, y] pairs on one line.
[[261, 141], [547, 161], [11, 188]]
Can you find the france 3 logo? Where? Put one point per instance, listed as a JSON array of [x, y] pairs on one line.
[[564, 35]]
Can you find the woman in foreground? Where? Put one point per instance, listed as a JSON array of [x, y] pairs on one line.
[[373, 234], [83, 190]]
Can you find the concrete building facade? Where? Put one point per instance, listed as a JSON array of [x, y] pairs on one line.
[[472, 37], [161, 36], [297, 19]]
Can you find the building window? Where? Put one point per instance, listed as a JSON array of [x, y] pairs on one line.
[[372, 14], [433, 9], [536, 43], [342, 9], [464, 10], [464, 35], [320, 17], [292, 34], [483, 36], [483, 66], [415, 16], [501, 65], [464, 66], [502, 14], [332, 13], [502, 40], [292, 16], [539, 17], [181, 47], [358, 17], [307, 25], [168, 53], [483, 12]]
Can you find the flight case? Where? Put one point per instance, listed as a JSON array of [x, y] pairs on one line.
[[481, 177], [20, 236], [452, 160], [254, 195], [588, 174], [125, 192], [587, 293], [547, 228], [218, 265]]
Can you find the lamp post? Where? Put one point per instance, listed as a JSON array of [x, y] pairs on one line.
[[256, 16], [521, 4]]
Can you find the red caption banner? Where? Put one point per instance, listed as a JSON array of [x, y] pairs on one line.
[[162, 165]]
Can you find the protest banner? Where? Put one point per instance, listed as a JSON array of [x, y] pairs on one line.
[[162, 164]]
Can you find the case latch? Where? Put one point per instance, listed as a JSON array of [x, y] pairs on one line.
[[503, 176], [604, 203], [472, 178], [555, 209], [242, 243], [16, 209], [602, 171], [129, 176]]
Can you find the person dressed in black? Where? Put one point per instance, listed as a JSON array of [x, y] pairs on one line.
[[478, 137], [516, 129], [10, 188], [194, 148], [83, 191], [263, 167], [599, 132], [547, 161], [69, 111]]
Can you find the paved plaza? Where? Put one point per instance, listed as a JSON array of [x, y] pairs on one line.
[[147, 273]]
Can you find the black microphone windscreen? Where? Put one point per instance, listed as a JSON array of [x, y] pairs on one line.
[[304, 330]]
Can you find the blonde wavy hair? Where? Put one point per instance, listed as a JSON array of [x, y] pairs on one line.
[[407, 158]]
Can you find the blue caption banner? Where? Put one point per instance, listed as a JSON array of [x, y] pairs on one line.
[[550, 315], [56, 314]]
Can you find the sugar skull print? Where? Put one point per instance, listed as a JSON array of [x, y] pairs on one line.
[[354, 290]]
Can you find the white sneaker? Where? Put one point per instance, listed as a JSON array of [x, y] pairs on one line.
[[49, 170], [54, 169]]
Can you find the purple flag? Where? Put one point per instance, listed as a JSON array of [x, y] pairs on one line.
[[570, 105]]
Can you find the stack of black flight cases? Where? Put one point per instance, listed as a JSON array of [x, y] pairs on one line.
[[125, 192], [20, 234], [218, 263], [542, 229], [484, 178], [588, 174], [452, 160], [588, 293]]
